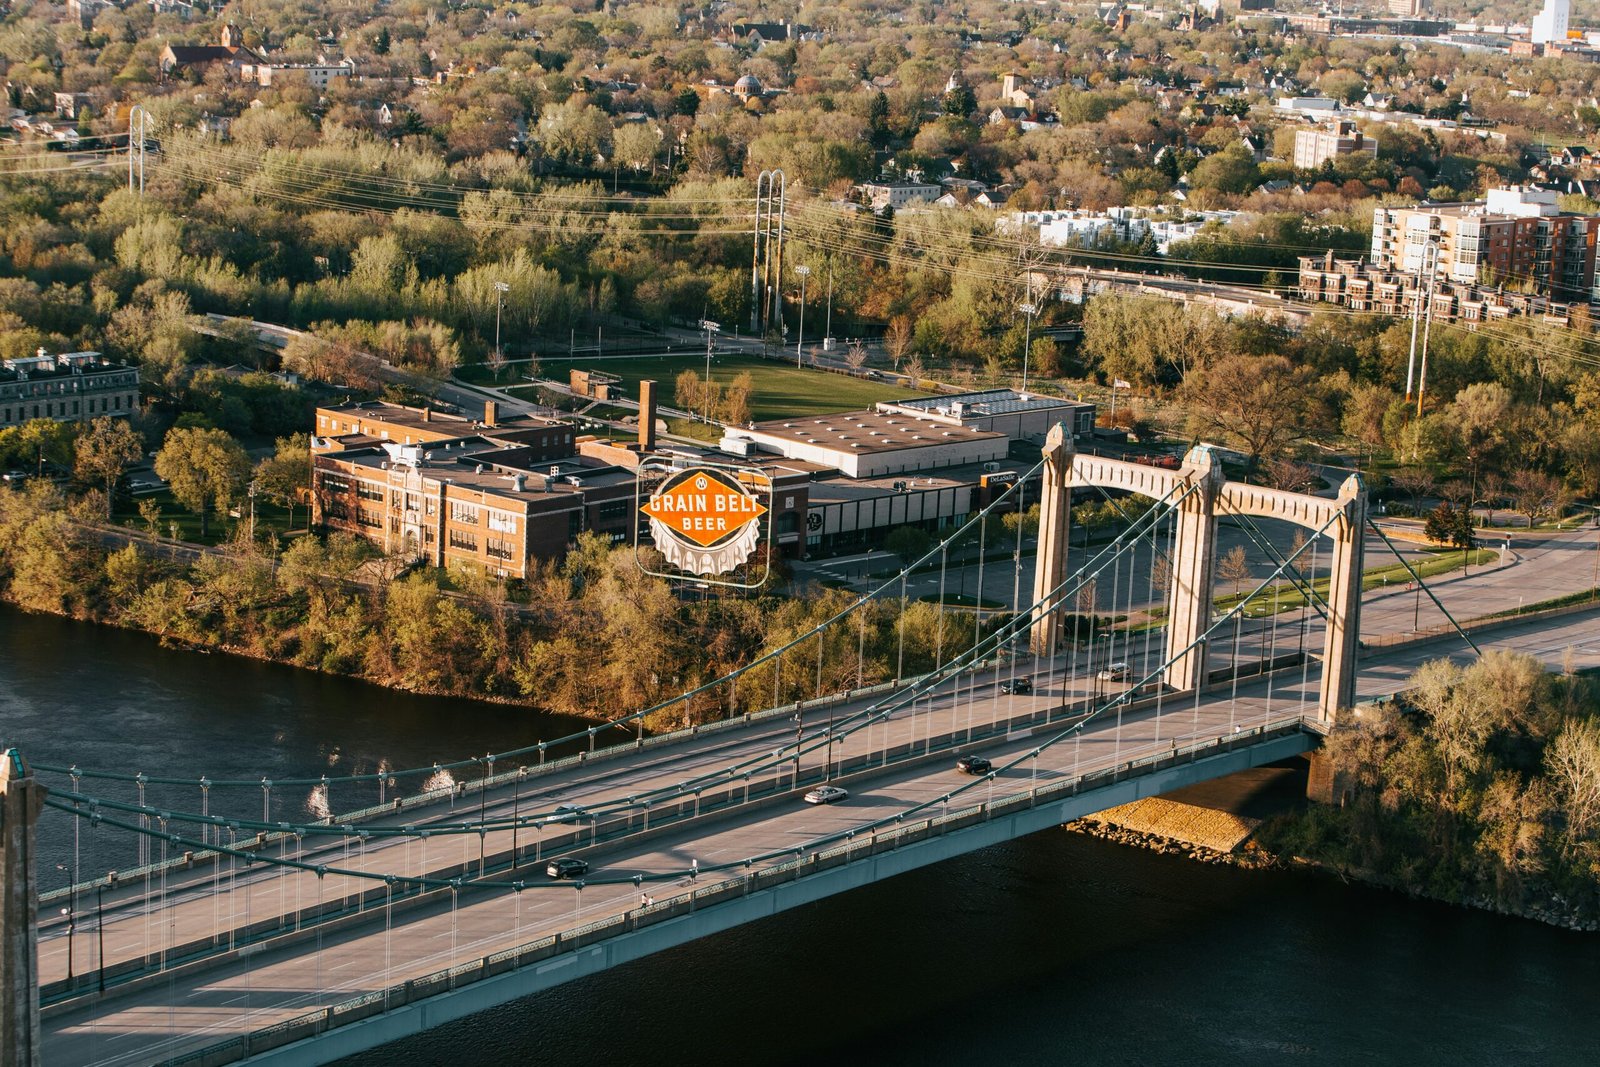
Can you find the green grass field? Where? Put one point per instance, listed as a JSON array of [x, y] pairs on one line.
[[780, 391], [178, 521]]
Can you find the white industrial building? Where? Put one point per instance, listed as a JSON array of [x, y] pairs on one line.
[[869, 444], [1020, 416]]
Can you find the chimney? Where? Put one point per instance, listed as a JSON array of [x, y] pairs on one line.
[[647, 415], [427, 414], [491, 413]]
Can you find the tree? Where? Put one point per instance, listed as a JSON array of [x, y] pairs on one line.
[[1536, 493], [855, 356], [897, 339], [1573, 762], [959, 102], [1449, 525], [908, 543], [37, 441], [1415, 482], [285, 477], [1259, 403], [108, 447], [1234, 567], [206, 468], [635, 145]]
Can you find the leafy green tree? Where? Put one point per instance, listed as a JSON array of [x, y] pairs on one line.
[[205, 467], [285, 476], [37, 442]]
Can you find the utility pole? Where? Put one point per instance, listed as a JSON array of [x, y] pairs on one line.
[[500, 291], [138, 132], [800, 335], [21, 800]]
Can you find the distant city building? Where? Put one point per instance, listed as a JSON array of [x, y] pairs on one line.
[[1409, 9], [70, 387], [1551, 23], [1517, 236], [1358, 285], [1313, 148], [897, 195]]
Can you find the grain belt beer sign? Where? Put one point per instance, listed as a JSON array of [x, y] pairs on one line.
[[704, 520]]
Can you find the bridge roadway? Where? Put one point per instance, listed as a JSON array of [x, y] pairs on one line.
[[193, 1009]]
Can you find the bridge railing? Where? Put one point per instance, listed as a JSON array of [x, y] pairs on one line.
[[837, 851]]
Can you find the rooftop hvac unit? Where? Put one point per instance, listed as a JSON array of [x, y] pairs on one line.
[[991, 467]]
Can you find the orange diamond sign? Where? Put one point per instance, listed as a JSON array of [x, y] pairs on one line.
[[704, 521]]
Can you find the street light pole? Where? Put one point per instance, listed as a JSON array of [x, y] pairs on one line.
[[1028, 309], [800, 335], [827, 320], [500, 290], [711, 329]]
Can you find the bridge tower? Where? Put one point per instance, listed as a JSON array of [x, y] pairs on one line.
[[21, 799], [1344, 600], [1194, 566], [1055, 528]]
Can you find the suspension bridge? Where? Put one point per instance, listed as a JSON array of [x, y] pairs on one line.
[[298, 921]]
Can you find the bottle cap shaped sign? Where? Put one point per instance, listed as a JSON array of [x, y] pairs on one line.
[[704, 521]]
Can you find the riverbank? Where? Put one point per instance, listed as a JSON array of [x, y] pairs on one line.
[[1236, 822]]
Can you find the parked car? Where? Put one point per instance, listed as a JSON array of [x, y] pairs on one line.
[[1114, 672], [567, 867], [974, 765], [1020, 686], [826, 794]]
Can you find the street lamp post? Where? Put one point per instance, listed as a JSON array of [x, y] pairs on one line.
[[800, 335], [500, 291], [71, 927], [711, 329], [1028, 309], [100, 931]]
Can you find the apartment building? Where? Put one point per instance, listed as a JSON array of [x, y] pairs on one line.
[[1357, 284], [1314, 147], [1517, 237], [70, 386]]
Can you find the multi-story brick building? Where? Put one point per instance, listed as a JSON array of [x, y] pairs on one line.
[[72, 386], [1518, 237]]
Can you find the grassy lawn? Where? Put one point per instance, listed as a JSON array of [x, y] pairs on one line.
[[780, 391], [219, 526], [960, 600], [1286, 597]]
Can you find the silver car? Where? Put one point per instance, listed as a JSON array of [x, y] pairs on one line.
[[826, 794]]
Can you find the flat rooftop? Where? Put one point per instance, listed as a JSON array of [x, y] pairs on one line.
[[435, 420], [479, 464], [868, 431], [985, 402]]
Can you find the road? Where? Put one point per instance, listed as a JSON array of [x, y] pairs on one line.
[[194, 1009]]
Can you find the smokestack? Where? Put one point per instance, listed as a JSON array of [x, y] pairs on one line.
[[427, 414], [491, 412], [647, 415]]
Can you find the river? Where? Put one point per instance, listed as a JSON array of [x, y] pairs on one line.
[[1058, 948]]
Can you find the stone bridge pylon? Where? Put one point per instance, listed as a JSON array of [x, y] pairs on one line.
[[1341, 518]]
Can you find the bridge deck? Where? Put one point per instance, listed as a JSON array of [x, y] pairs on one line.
[[225, 997]]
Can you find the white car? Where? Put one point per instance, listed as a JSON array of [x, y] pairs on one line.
[[1114, 672], [826, 794]]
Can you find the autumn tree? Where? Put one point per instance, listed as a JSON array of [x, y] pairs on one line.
[[1257, 403], [103, 452]]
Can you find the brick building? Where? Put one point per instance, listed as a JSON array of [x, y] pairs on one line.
[[72, 386]]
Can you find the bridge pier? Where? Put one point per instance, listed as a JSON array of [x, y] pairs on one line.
[[1343, 637], [1193, 570], [21, 799], [1055, 528]]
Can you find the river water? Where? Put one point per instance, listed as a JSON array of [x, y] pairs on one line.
[[1054, 949]]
